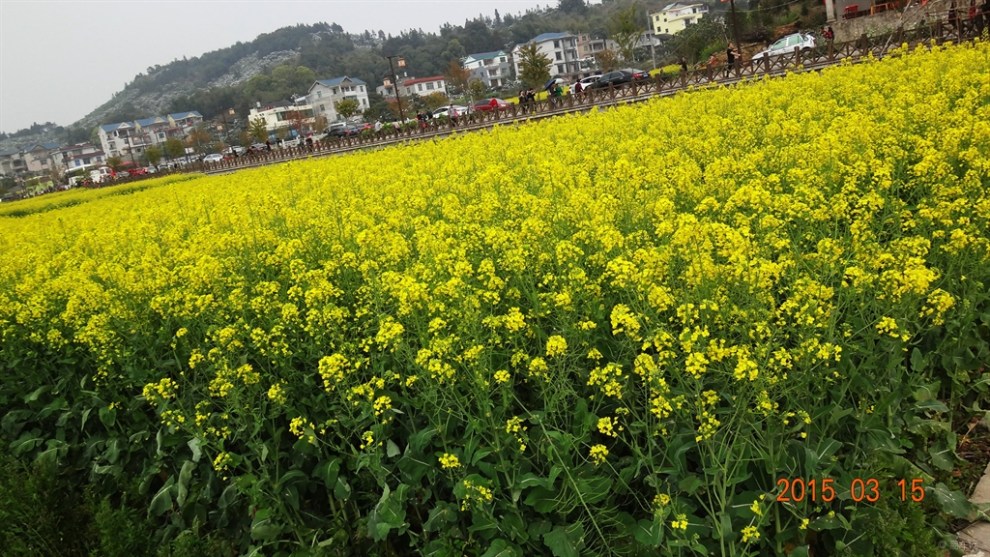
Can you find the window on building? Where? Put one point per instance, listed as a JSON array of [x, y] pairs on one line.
[[319, 94], [430, 86], [419, 86], [556, 44], [559, 57], [560, 68], [502, 59]]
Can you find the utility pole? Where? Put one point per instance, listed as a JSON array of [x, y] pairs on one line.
[[395, 82], [735, 25]]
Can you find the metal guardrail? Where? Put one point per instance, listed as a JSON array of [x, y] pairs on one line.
[[811, 60]]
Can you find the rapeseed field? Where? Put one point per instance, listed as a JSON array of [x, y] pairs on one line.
[[745, 321]]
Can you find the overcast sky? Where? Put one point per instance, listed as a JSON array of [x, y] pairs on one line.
[[59, 60]]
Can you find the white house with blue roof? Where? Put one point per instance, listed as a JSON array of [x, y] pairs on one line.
[[124, 139], [492, 68], [560, 48], [325, 93]]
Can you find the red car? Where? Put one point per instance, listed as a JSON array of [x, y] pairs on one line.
[[491, 104]]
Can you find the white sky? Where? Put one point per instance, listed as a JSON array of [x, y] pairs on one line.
[[60, 59]]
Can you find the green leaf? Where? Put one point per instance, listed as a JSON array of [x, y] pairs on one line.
[[391, 449], [228, 497], [388, 514], [501, 548], [162, 501], [342, 490], [918, 362], [35, 394], [952, 502], [513, 525], [419, 440], [648, 533], [327, 471], [543, 500], [108, 416], [195, 445], [594, 489], [263, 528], [185, 474], [25, 444], [690, 484], [563, 542], [932, 406], [530, 479], [441, 516]]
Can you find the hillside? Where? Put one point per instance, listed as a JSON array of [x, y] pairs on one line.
[[284, 62]]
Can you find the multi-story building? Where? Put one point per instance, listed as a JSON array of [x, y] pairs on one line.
[[80, 156], [325, 93], [12, 163], [131, 139], [39, 158], [588, 46], [285, 116], [493, 68], [676, 17], [560, 48], [414, 86]]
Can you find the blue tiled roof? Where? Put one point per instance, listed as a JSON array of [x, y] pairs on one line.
[[549, 37], [486, 55], [145, 122], [335, 81], [184, 115], [117, 126]]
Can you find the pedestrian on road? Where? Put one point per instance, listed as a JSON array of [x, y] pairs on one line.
[[684, 67]]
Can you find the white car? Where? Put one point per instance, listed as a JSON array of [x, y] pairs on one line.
[[213, 158], [585, 82], [445, 110], [787, 45]]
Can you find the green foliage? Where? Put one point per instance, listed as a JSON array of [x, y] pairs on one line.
[[625, 28], [534, 66], [174, 148], [347, 107], [153, 154]]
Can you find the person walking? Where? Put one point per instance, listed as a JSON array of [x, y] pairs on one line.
[[732, 57]]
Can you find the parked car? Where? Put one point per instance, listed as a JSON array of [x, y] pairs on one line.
[[485, 105], [294, 142], [213, 158], [787, 45], [139, 171], [235, 149], [637, 75], [616, 78], [585, 82], [445, 111]]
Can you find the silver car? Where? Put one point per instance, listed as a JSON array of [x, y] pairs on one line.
[[787, 45]]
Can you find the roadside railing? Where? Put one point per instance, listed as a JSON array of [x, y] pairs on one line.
[[824, 55]]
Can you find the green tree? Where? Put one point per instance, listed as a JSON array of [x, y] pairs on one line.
[[174, 148], [578, 7], [153, 154], [457, 77], [347, 107], [258, 131], [607, 60], [115, 163], [198, 137], [476, 89], [534, 66], [625, 29], [435, 100]]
